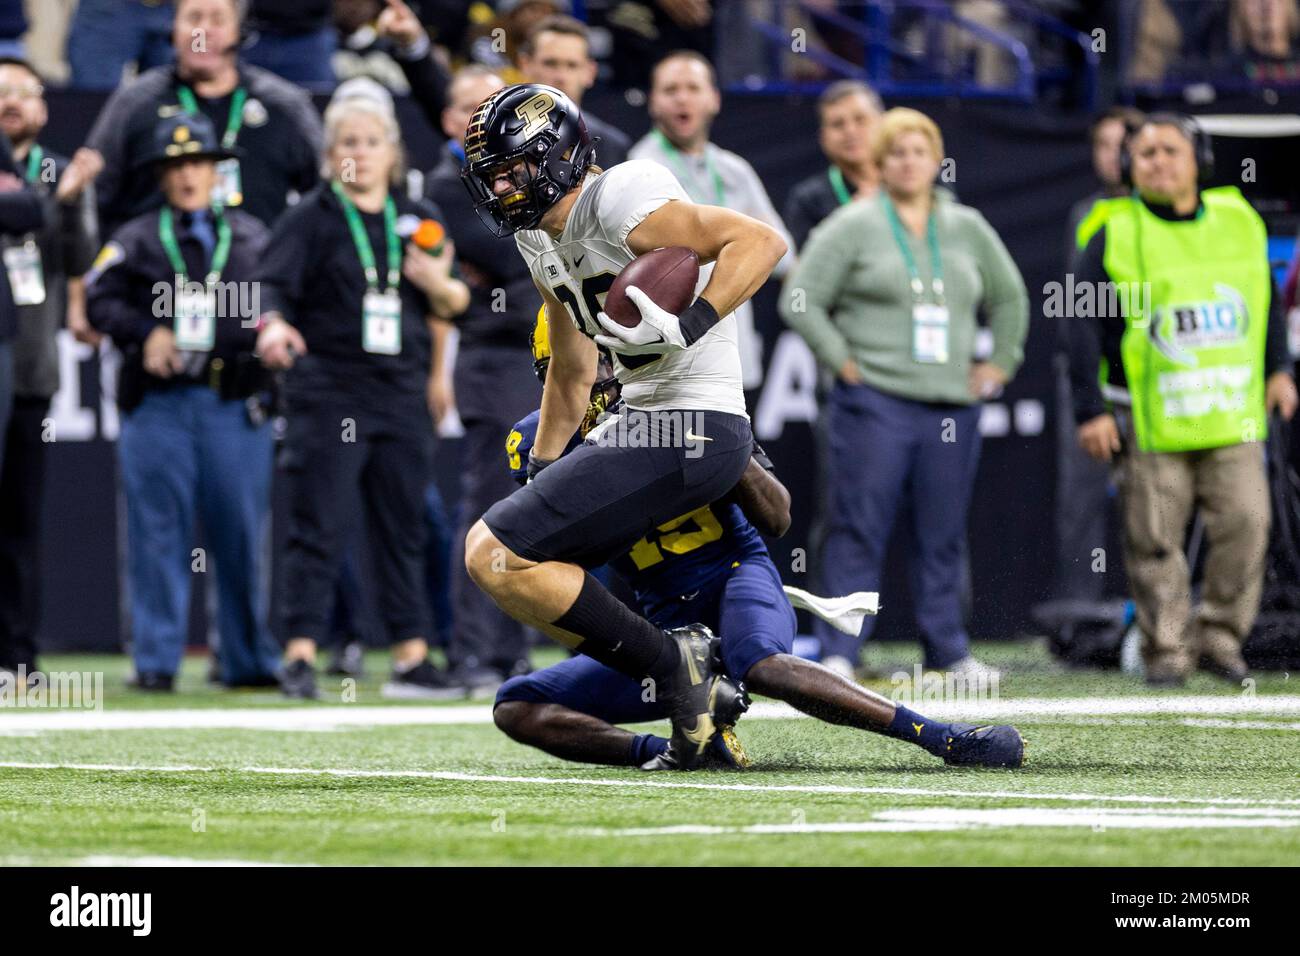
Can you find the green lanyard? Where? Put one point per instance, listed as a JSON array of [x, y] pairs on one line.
[[936, 264], [838, 185], [167, 233], [234, 120], [362, 241], [683, 173], [34, 157]]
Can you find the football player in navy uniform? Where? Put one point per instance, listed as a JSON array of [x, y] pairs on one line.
[[707, 567], [531, 168]]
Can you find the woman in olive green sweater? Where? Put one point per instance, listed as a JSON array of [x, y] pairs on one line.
[[886, 293]]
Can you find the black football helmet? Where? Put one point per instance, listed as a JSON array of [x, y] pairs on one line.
[[534, 123]]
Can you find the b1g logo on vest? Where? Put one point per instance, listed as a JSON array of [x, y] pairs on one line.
[[1178, 331]]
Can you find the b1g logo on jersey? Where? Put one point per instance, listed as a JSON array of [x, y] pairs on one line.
[[1179, 330], [535, 111]]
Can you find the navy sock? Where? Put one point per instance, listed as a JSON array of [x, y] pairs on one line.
[[910, 726], [647, 747]]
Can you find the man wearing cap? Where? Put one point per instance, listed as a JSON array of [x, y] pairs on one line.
[[174, 289], [271, 120]]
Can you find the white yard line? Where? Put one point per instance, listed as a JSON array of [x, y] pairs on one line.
[[332, 718], [640, 784], [952, 818]]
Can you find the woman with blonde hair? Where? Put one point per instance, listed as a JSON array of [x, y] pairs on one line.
[[887, 292], [353, 277]]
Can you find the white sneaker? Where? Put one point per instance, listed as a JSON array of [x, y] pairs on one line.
[[840, 665], [973, 670]]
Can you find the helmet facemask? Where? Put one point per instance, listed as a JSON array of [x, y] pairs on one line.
[[539, 185]]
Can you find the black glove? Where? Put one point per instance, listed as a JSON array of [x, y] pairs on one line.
[[535, 465]]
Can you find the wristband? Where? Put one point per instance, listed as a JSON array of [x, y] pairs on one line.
[[760, 456], [696, 321]]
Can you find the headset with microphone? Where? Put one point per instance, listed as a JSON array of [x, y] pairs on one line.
[[1202, 145]]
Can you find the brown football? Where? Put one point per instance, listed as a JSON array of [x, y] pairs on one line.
[[668, 276]]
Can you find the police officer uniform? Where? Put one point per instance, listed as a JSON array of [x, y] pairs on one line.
[[198, 440]]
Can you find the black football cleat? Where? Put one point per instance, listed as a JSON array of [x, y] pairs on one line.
[[700, 699], [422, 682], [725, 751], [985, 746], [152, 681], [298, 680]]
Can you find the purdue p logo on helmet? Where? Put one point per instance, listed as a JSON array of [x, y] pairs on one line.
[[535, 135]]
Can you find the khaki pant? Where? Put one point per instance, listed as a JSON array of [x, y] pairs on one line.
[[1160, 491]]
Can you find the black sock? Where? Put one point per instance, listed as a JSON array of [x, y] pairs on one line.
[[615, 635]]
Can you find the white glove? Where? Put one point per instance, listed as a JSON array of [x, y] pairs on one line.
[[660, 331]]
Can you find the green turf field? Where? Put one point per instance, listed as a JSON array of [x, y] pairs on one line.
[[207, 775]]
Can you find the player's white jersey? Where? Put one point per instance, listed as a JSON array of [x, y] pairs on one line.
[[579, 267]]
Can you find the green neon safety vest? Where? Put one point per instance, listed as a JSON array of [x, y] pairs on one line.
[[1195, 369], [1092, 222]]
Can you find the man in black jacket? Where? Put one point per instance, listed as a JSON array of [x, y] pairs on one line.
[[44, 267], [493, 386], [21, 212], [558, 53], [273, 122], [174, 288]]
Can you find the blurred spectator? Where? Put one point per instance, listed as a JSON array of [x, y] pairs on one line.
[[1264, 34], [887, 293], [107, 35], [294, 39], [493, 389], [495, 42], [849, 112], [1157, 45], [399, 32], [362, 51], [347, 307], [44, 269], [1106, 139], [684, 100], [173, 289], [21, 212], [272, 121], [558, 53], [1193, 350], [1083, 486], [644, 32]]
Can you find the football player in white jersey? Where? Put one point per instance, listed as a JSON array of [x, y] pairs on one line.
[[683, 439]]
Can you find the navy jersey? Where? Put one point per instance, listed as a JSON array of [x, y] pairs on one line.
[[679, 557]]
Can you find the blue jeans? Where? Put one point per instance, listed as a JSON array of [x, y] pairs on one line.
[[186, 452], [106, 35], [305, 59], [437, 565], [886, 450]]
